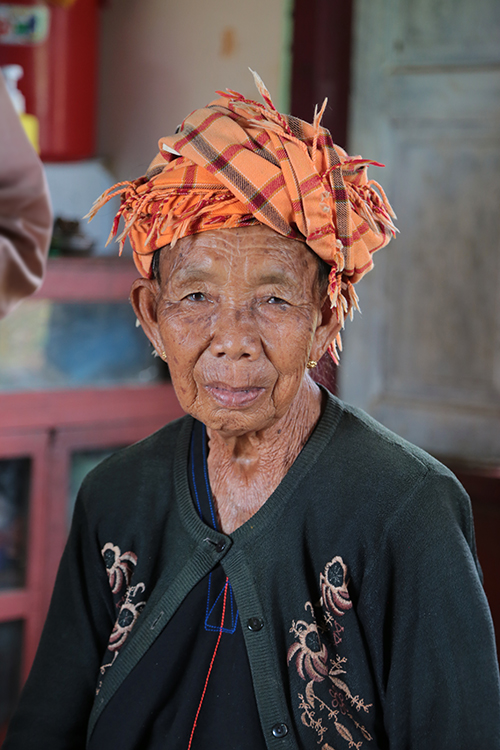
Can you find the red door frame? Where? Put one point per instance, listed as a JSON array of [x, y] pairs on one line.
[[321, 67], [321, 64]]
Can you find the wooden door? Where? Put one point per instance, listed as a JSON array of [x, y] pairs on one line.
[[425, 356]]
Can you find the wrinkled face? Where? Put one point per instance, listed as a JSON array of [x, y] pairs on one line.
[[238, 313]]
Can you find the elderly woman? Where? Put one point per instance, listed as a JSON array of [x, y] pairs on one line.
[[274, 570]]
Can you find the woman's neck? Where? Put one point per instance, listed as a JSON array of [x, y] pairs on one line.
[[245, 470]]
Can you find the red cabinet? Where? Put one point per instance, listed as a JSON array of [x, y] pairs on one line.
[[50, 436]]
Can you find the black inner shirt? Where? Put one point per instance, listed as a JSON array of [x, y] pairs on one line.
[[156, 705]]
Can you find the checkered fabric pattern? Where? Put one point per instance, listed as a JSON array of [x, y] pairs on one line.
[[237, 162]]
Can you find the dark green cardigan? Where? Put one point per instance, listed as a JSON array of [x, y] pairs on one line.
[[361, 566]]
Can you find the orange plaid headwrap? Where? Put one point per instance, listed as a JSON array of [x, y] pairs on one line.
[[235, 163]]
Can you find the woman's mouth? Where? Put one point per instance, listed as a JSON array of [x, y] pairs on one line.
[[230, 397]]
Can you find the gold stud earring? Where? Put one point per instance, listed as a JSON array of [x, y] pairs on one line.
[[311, 364]]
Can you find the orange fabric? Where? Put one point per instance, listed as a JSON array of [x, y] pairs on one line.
[[237, 162]]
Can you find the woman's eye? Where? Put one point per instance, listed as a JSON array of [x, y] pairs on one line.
[[276, 301], [196, 297]]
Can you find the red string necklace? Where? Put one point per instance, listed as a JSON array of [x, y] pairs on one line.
[[211, 663]]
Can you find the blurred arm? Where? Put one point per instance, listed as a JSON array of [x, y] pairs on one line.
[[25, 212]]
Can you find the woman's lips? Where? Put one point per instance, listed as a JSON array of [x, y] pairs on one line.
[[228, 396]]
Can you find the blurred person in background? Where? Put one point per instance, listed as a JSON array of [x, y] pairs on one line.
[[275, 569], [25, 211]]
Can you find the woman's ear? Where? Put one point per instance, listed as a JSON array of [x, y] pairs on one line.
[[143, 297], [326, 331]]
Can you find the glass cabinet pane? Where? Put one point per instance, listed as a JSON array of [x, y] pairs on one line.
[[14, 502], [45, 344], [11, 640]]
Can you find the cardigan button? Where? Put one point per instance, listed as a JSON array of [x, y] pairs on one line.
[[280, 730], [254, 624], [218, 546]]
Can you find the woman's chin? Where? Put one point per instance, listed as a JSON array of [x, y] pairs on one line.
[[238, 421]]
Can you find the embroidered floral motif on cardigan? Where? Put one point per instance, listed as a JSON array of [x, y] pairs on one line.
[[127, 599], [314, 654], [118, 567]]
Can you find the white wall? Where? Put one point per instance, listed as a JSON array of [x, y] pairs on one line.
[[74, 186], [160, 60]]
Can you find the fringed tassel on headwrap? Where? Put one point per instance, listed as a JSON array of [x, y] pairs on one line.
[[374, 208], [318, 116]]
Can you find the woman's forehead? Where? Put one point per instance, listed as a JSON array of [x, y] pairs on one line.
[[255, 250]]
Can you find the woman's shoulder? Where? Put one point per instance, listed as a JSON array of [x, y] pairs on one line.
[[377, 445], [396, 491], [378, 463], [138, 469]]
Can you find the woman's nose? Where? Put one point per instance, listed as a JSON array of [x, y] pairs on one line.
[[235, 335]]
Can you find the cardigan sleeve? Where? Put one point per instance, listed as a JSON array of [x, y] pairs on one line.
[[429, 627], [25, 212], [57, 699]]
